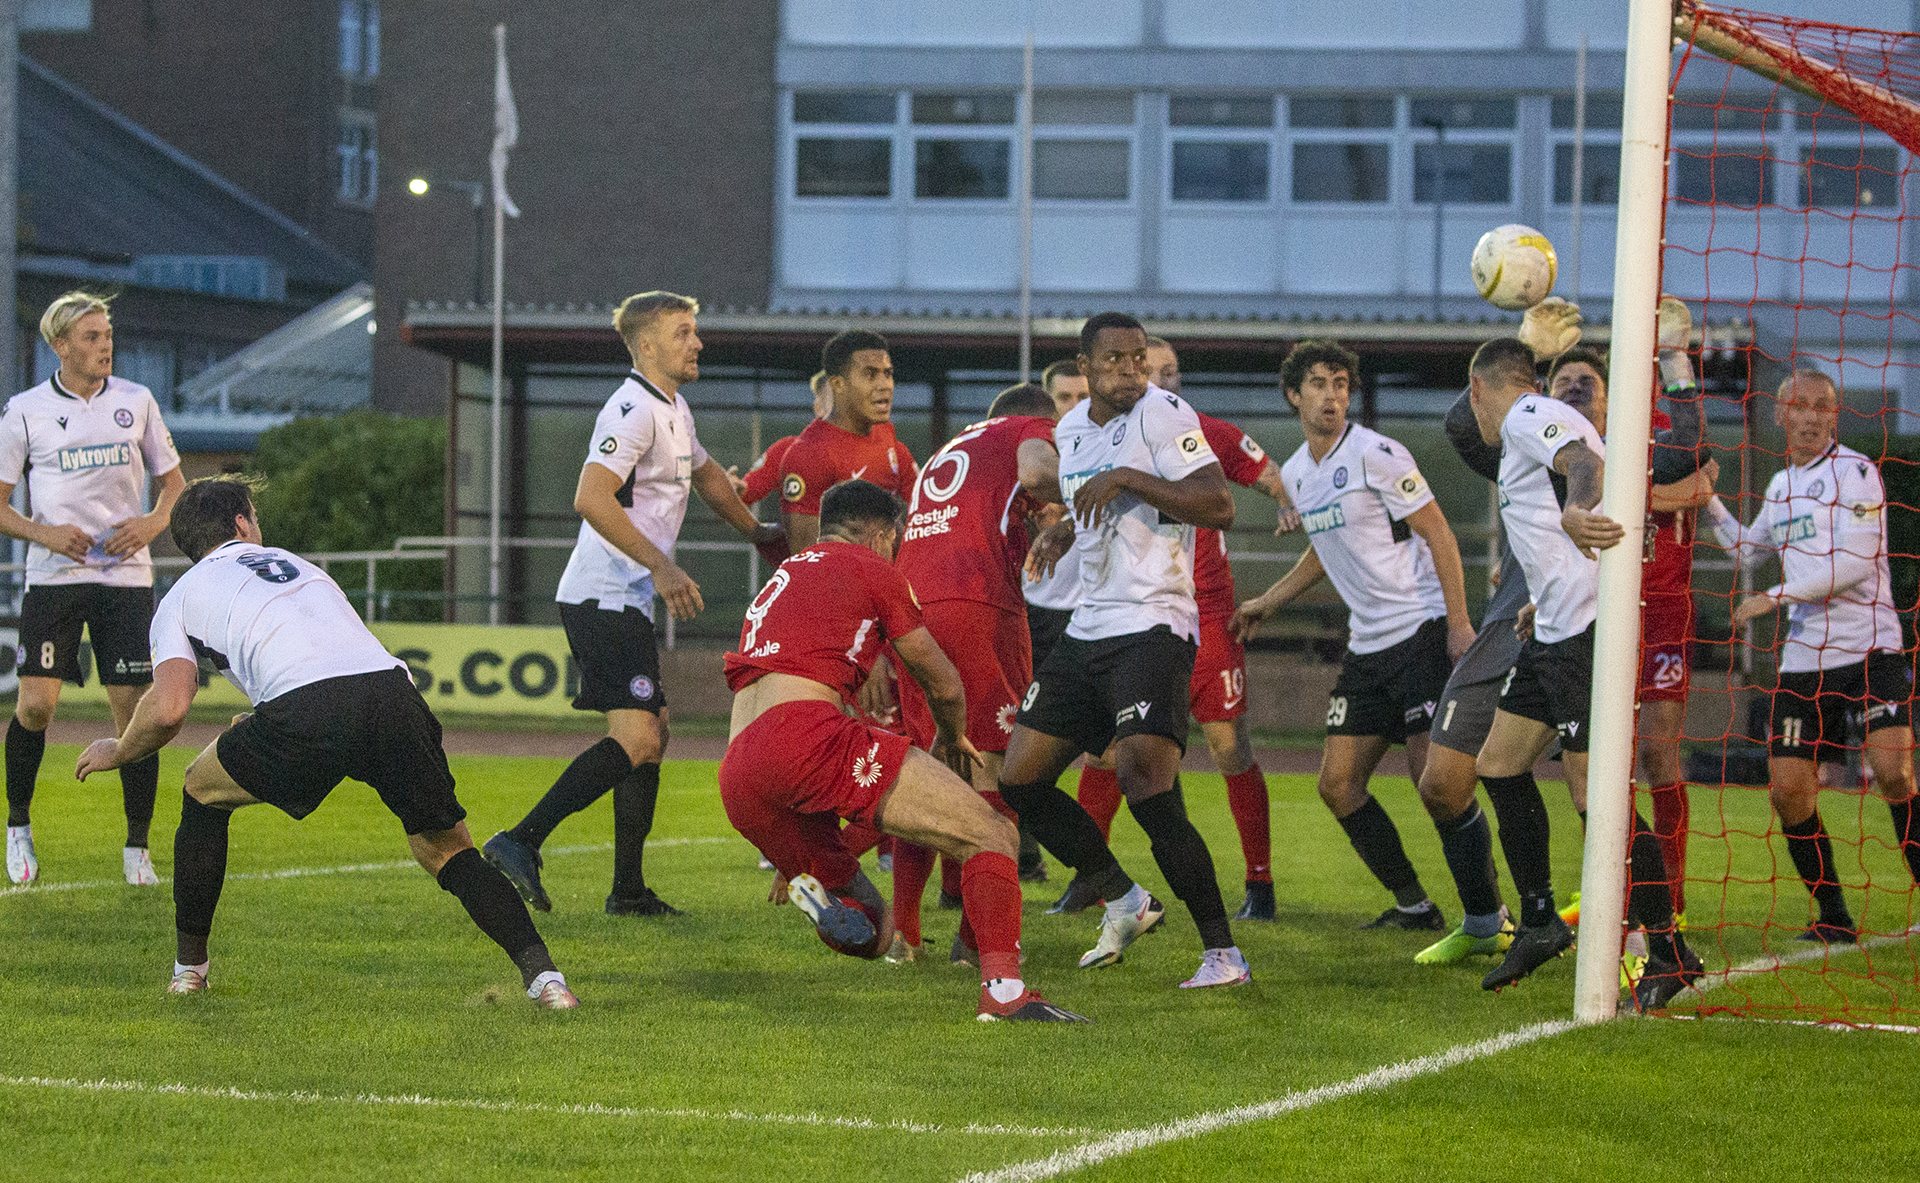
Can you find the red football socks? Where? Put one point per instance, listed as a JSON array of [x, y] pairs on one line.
[[1670, 810], [1247, 799], [912, 866], [990, 890], [1100, 797]]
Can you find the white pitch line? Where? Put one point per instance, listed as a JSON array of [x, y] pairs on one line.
[[1128, 1141], [348, 869], [533, 1107]]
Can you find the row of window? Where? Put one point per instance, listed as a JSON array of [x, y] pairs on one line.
[[1340, 150], [360, 38], [357, 154]]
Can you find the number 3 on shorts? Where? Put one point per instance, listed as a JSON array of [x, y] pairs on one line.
[[1336, 711]]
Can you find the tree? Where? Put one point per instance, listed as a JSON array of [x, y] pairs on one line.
[[357, 482]]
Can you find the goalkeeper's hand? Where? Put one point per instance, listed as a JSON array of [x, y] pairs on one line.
[[1550, 328], [1676, 324]]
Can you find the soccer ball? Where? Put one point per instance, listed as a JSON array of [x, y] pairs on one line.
[[1514, 267]]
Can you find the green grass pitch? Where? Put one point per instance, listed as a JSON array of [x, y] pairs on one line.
[[359, 1027]]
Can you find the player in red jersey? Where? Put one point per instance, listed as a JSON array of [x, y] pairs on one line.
[[764, 477], [795, 763], [965, 544], [1218, 688]]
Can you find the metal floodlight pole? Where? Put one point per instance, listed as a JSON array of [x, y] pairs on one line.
[[1616, 648], [1439, 127], [1579, 161], [1026, 211], [499, 333], [479, 243]]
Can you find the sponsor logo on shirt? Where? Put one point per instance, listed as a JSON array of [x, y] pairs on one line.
[[931, 522], [78, 459], [1319, 521], [123, 417], [866, 769], [1003, 718], [1071, 482], [766, 650], [1800, 529]]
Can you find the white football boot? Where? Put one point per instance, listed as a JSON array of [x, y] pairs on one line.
[[137, 865], [1220, 967], [22, 866], [1126, 918]]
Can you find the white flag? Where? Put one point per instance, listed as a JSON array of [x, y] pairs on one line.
[[506, 123]]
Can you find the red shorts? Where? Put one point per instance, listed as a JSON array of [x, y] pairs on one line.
[[1666, 625], [1218, 691], [991, 649], [794, 772]]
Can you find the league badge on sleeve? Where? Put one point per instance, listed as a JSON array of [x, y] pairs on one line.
[[1412, 487], [607, 446], [793, 488]]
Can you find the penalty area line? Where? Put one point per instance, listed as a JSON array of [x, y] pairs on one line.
[[347, 869], [481, 1105], [1128, 1141]]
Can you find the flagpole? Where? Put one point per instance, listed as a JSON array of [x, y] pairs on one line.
[[1026, 211], [506, 132]]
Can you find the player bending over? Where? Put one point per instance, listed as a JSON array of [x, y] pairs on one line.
[[1550, 689], [796, 764], [1826, 516], [1374, 528], [1139, 476], [329, 703]]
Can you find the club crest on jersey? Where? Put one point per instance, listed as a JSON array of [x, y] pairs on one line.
[[1340, 477], [641, 687], [123, 417], [1119, 432], [607, 446], [1319, 521], [79, 459], [1817, 488], [866, 769], [793, 488]]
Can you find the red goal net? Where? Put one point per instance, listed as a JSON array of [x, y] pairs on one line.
[[1788, 233]]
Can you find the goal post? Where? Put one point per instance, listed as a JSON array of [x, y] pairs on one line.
[[1616, 642]]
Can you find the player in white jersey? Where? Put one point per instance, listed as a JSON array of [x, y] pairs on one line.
[[1139, 475], [1373, 529], [642, 462], [328, 703], [1841, 659], [1547, 446], [85, 443]]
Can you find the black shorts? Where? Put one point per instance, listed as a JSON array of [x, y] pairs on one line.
[[117, 620], [619, 663], [1094, 692], [1045, 627], [1813, 708], [292, 750], [1392, 692], [1552, 683]]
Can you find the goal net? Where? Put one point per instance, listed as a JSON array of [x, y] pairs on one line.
[[1788, 232]]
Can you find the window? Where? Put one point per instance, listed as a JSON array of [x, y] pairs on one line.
[[1480, 174], [360, 38], [1729, 174], [359, 158], [1845, 176], [1340, 172], [1599, 174], [1085, 170], [961, 168], [1220, 170], [843, 108], [1460, 113], [1085, 109], [843, 167], [997, 109], [1603, 111], [1339, 112], [1221, 112]]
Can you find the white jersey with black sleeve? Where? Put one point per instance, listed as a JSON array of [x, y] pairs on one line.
[[1565, 583], [1353, 505], [645, 438], [1136, 567], [86, 463], [266, 618], [1827, 520]]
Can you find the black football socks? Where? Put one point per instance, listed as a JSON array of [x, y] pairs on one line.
[[633, 803], [139, 786], [1186, 863], [1377, 841], [1523, 839], [1069, 832], [1467, 842], [497, 909], [1812, 853], [199, 871], [24, 751], [591, 774]]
